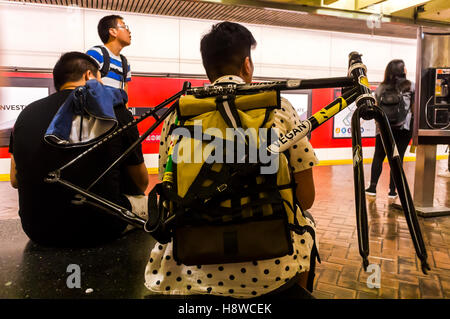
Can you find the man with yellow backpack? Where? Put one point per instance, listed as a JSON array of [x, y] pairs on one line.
[[238, 228]]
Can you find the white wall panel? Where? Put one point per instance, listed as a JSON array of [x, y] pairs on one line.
[[154, 45], [5, 165], [151, 160], [295, 71], [153, 37], [257, 52], [91, 37], [153, 65], [39, 34], [36, 35], [36, 59], [376, 52], [193, 66], [294, 47], [406, 49], [191, 32]]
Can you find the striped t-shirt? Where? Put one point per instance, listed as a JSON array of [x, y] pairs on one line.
[[114, 77]]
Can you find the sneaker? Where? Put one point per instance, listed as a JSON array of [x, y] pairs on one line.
[[392, 195], [445, 173], [371, 191]]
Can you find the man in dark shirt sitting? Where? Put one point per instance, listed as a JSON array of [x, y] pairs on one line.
[[48, 217]]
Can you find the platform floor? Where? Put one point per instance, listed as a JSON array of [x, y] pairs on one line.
[[340, 274]]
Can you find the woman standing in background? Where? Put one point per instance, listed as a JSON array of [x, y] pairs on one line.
[[394, 85]]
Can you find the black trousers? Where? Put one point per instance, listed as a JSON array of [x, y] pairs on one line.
[[402, 138]]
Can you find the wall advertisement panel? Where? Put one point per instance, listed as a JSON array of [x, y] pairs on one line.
[[342, 122], [301, 101], [14, 97]]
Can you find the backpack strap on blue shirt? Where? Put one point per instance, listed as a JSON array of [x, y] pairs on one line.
[[124, 68], [106, 60], [106, 63]]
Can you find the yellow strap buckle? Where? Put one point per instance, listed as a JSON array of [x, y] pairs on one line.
[[222, 187]]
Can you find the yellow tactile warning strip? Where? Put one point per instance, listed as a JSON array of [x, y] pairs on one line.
[[154, 170]]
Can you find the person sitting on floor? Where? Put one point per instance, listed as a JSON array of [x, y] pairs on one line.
[[47, 214], [226, 57]]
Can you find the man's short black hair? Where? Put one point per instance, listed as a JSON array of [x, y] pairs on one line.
[[71, 66], [105, 24], [225, 48]]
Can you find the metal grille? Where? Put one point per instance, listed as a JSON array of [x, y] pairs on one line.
[[239, 13]]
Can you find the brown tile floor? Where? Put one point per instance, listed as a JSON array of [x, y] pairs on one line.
[[340, 274]]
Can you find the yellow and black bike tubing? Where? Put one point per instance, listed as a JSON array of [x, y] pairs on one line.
[[367, 109], [313, 122]]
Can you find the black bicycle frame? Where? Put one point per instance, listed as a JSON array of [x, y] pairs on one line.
[[355, 89], [367, 110]]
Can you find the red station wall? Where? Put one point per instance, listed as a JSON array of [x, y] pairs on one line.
[[322, 137], [149, 92]]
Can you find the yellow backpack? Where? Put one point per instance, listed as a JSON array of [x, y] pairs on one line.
[[219, 210]]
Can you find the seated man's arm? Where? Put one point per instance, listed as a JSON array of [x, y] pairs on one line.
[[13, 173], [12, 169], [134, 165], [305, 188], [301, 156], [139, 175]]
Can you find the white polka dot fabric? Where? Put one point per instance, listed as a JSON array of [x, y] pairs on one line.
[[241, 280], [302, 154], [164, 144]]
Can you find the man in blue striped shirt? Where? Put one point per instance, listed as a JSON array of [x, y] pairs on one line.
[[115, 35]]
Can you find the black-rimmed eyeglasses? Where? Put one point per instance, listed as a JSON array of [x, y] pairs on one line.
[[124, 27]]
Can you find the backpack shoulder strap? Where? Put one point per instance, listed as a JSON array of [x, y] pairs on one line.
[[124, 68], [106, 61], [227, 108]]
